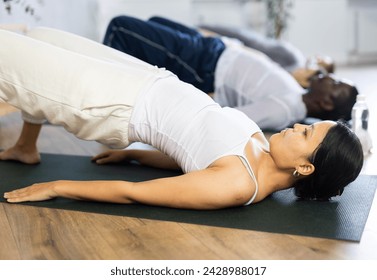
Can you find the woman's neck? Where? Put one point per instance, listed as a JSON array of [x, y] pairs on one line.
[[270, 177]]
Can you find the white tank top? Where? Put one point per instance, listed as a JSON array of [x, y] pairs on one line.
[[189, 126]]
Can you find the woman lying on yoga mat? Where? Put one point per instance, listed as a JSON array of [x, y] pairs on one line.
[[98, 93]]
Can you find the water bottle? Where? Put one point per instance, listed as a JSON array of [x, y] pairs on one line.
[[360, 118]]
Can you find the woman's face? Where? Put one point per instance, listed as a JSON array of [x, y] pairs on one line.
[[293, 146]]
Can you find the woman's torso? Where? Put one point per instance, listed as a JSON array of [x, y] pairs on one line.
[[189, 126]]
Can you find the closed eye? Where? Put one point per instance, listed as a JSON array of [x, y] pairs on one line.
[[311, 130]]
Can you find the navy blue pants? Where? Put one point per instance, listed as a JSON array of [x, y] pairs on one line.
[[165, 43]]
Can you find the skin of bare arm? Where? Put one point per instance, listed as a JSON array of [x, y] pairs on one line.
[[153, 158], [223, 184]]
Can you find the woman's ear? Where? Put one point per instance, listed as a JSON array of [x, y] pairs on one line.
[[305, 169]]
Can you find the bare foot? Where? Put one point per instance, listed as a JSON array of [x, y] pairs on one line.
[[14, 153]]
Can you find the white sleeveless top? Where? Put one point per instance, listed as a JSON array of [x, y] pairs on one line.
[[189, 126]]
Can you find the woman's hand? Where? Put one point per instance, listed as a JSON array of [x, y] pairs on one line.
[[110, 156], [105, 191], [35, 192]]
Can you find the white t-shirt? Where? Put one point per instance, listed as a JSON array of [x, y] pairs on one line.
[[252, 83]]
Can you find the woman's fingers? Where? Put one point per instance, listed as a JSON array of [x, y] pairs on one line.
[[100, 156], [36, 192], [109, 156]]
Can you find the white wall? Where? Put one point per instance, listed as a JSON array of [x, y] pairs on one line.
[[343, 29], [365, 31], [89, 18], [77, 16], [232, 13], [322, 27], [179, 10]]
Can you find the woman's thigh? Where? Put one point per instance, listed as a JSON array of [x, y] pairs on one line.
[[80, 45]]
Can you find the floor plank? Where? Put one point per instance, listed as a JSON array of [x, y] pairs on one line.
[[9, 250]]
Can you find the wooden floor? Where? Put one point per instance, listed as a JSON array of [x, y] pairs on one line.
[[37, 233]]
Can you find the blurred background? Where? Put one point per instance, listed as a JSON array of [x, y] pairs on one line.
[[346, 30]]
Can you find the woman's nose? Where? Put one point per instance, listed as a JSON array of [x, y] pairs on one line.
[[298, 126]]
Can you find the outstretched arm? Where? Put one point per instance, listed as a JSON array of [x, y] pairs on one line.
[[153, 158], [216, 187]]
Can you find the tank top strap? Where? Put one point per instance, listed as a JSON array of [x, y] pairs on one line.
[[252, 175]]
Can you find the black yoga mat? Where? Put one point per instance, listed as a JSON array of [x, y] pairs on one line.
[[342, 218]]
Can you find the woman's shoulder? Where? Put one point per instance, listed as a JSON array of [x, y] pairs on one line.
[[260, 139], [233, 171]]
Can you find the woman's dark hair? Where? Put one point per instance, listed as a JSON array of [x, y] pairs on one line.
[[337, 160]]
